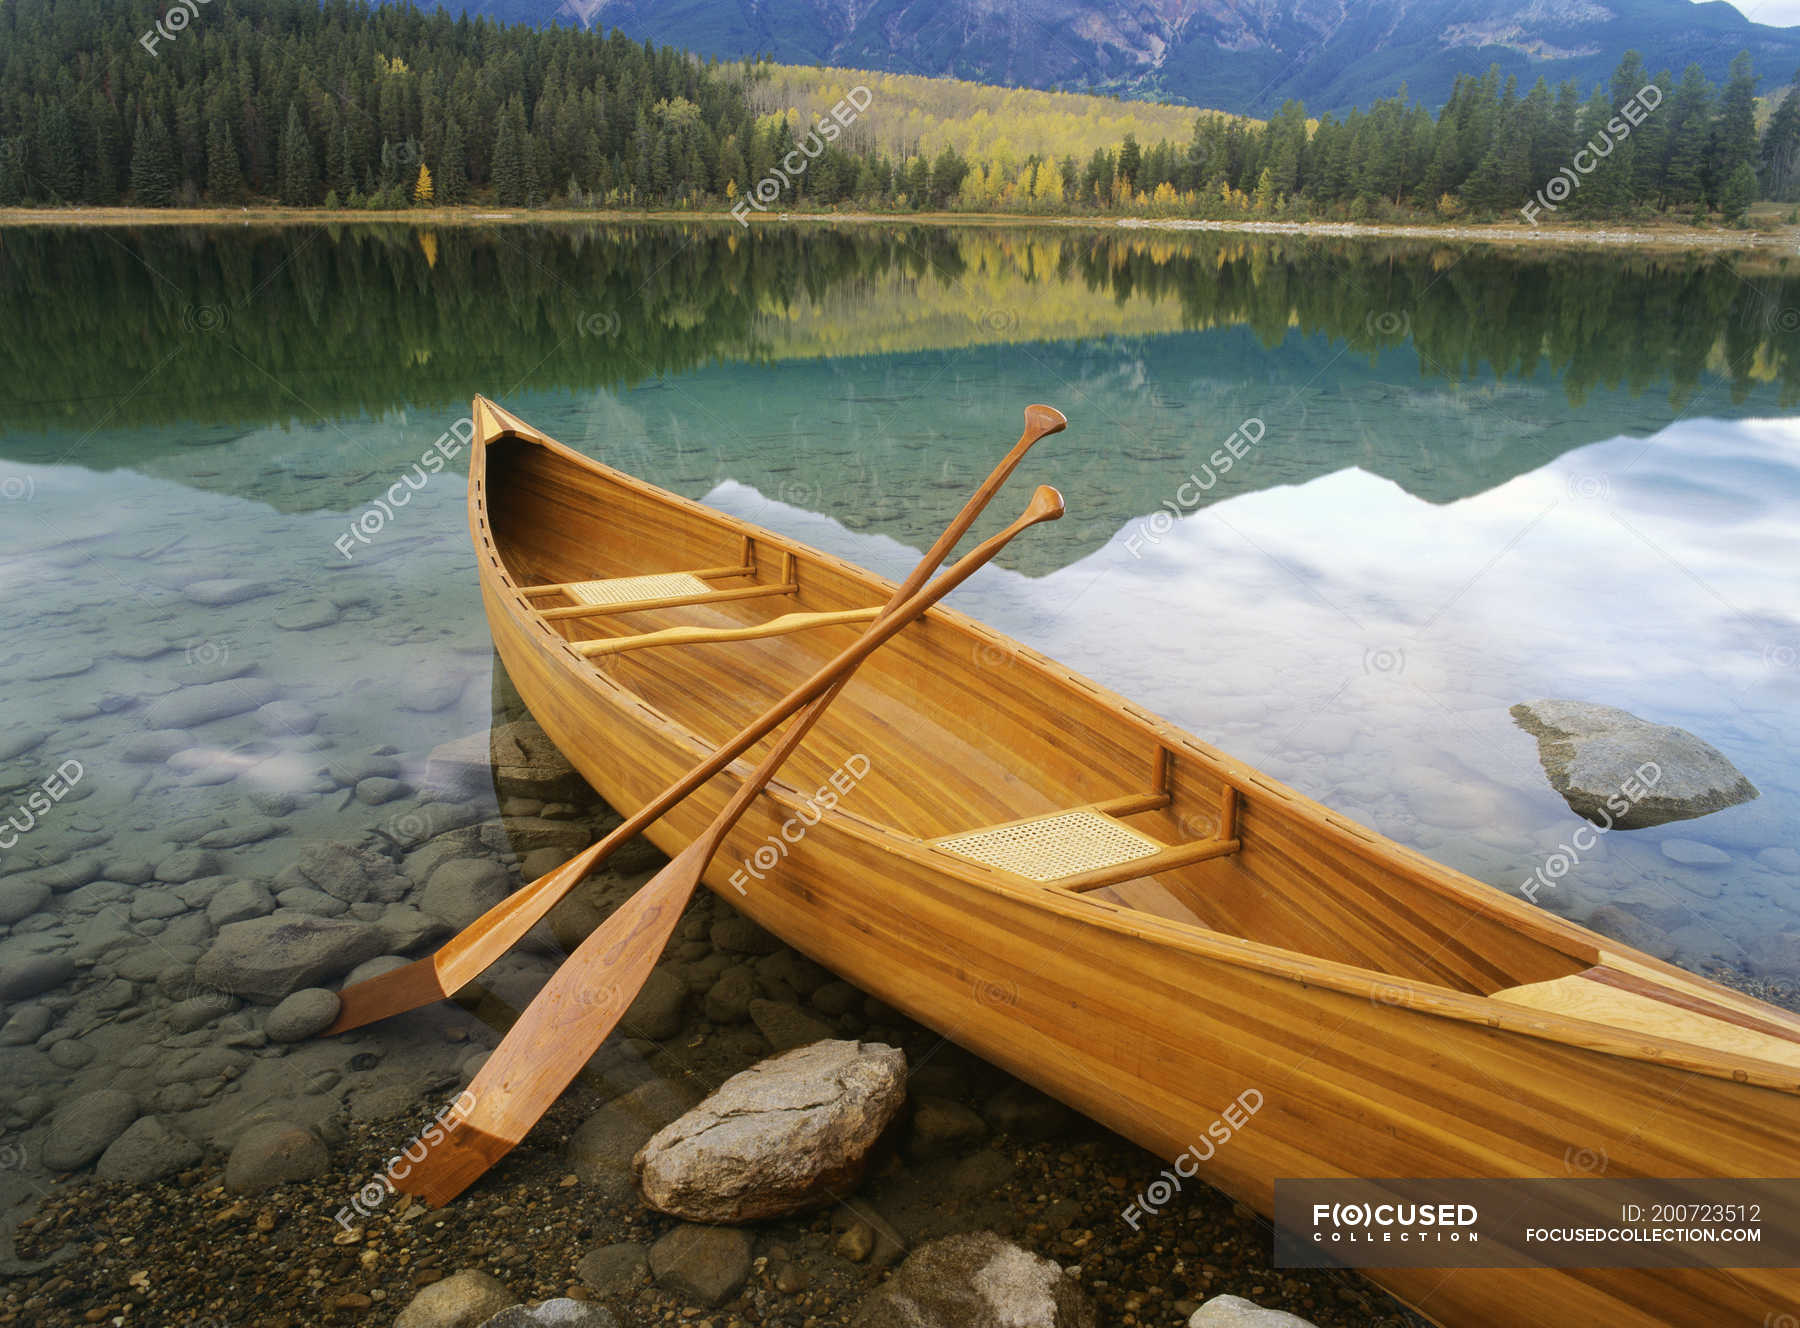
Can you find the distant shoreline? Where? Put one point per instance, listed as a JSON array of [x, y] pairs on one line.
[[1673, 236]]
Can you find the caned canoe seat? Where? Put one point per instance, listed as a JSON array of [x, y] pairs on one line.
[[661, 590], [1089, 848]]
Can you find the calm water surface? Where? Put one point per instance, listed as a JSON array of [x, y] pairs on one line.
[[1480, 480]]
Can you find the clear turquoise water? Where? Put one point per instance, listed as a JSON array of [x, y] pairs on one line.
[[1590, 491]]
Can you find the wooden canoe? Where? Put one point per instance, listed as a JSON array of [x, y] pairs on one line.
[[1184, 929]]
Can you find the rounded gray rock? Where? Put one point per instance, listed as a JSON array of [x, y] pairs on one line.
[[34, 975], [788, 1134], [466, 1299], [462, 890], [272, 1154], [20, 897], [559, 1313], [1236, 1312], [706, 1264], [977, 1281], [81, 1131], [147, 1151], [305, 1014]]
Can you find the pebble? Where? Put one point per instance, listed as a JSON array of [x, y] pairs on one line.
[[20, 897], [379, 789]]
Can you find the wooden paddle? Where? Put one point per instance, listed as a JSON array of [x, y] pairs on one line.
[[568, 1020], [467, 954]]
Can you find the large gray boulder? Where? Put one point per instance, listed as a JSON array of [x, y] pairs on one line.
[[191, 707], [266, 959], [1621, 771], [558, 1313], [788, 1134], [977, 1281]]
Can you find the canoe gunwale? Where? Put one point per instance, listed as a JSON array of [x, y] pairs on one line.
[[1418, 996]]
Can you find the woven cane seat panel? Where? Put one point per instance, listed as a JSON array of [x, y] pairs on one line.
[[625, 589], [1052, 847]]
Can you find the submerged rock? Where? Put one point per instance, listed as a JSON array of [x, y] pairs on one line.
[[300, 1016], [83, 1130], [265, 959], [147, 1151], [977, 1281], [706, 1264], [516, 760], [601, 1151], [274, 1153], [787, 1134], [201, 704], [1594, 756]]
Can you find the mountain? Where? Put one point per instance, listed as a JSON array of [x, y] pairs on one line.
[[1246, 56]]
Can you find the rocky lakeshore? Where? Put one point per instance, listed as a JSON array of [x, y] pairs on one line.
[[181, 1147]]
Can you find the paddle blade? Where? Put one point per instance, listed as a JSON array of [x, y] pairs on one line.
[[387, 994], [564, 1025], [1046, 505], [1042, 421]]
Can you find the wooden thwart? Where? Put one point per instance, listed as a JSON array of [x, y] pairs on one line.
[[688, 636]]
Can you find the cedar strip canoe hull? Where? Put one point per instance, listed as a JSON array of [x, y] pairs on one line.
[[1349, 981]]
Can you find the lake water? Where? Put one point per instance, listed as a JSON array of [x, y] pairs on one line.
[[1477, 480]]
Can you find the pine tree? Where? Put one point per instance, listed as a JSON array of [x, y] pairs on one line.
[[1688, 115], [453, 170], [224, 179], [1737, 194], [299, 180], [152, 164], [1780, 151], [421, 193], [1734, 133], [59, 157]]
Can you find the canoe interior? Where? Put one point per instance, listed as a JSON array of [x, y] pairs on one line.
[[959, 734]]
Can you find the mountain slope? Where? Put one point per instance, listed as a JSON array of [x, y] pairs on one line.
[[1243, 55]]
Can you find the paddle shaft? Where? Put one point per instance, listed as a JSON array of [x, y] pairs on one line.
[[581, 1005], [504, 925]]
